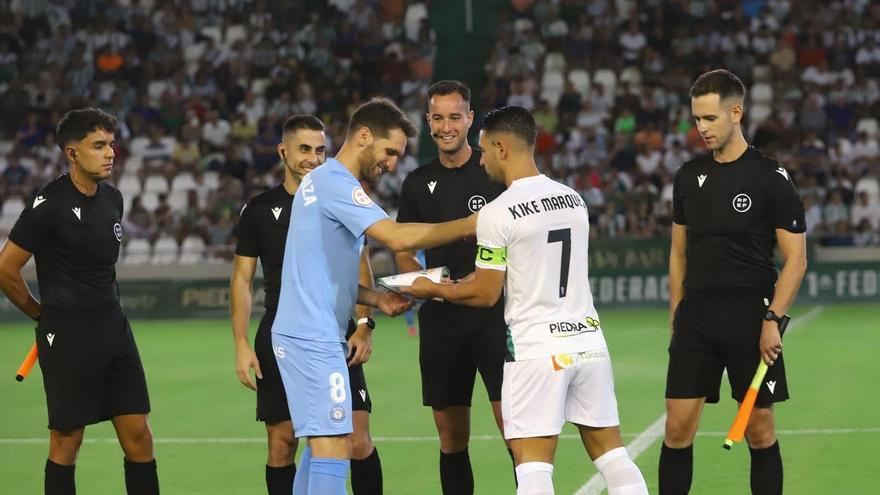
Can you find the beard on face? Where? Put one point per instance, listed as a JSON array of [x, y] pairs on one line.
[[366, 160]]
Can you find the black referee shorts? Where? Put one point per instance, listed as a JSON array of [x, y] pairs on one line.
[[271, 400], [452, 350], [91, 368], [712, 334]]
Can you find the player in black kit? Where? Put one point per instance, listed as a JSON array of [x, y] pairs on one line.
[[262, 233], [455, 340], [91, 368], [732, 206]]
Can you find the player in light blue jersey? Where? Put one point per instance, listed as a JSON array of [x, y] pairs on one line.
[[319, 285]]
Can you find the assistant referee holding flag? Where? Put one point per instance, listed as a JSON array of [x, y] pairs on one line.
[[91, 368], [732, 206]]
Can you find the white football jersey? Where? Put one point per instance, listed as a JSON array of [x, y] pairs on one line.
[[538, 231]]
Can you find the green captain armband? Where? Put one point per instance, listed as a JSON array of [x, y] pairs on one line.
[[492, 256]]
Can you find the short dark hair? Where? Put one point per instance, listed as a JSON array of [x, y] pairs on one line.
[[75, 125], [381, 116], [721, 82], [302, 121], [515, 120], [448, 87]]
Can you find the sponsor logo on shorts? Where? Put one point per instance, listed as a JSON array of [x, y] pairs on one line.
[[51, 338], [337, 414], [566, 360], [772, 386], [572, 328]]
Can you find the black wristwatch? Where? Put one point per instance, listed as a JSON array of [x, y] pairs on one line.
[[371, 323], [781, 321]]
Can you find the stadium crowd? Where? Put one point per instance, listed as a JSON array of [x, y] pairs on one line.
[[202, 88]]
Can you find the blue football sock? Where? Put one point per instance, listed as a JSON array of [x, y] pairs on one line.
[[301, 480], [327, 476]]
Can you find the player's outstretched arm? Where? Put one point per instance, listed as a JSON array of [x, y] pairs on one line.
[[412, 236], [12, 259], [793, 247], [481, 290], [240, 287], [390, 303]]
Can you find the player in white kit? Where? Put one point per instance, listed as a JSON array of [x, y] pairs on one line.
[[532, 243]]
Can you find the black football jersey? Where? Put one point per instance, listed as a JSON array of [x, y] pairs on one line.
[[75, 240], [262, 233], [732, 211], [433, 194]]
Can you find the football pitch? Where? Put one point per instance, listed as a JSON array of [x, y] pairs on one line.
[[207, 441]]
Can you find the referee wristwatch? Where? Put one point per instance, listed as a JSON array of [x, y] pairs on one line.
[[369, 322], [781, 321]]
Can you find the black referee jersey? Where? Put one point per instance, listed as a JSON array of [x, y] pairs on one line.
[[75, 241], [433, 194], [262, 233], [732, 211]]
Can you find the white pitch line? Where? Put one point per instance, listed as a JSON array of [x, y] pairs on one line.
[[596, 484]]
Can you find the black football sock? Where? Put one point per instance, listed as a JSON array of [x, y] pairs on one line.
[[456, 475], [676, 470], [59, 479], [141, 478], [366, 475], [279, 480], [766, 475]]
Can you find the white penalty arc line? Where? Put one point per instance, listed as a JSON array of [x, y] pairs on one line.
[[405, 439], [596, 484]]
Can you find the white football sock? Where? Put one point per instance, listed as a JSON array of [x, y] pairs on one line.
[[621, 474], [534, 478]]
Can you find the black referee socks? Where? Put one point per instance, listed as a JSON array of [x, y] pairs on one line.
[[766, 470], [59, 480], [279, 480], [676, 470], [366, 475], [141, 478], [456, 475]]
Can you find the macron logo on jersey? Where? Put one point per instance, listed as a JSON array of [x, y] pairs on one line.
[[432, 185], [38, 201], [51, 338], [77, 212], [772, 386], [701, 179], [277, 212], [782, 172]]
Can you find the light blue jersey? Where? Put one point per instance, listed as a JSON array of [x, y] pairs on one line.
[[319, 276]]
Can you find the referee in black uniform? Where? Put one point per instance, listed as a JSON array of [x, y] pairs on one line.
[[456, 341], [91, 368], [732, 206], [262, 233]]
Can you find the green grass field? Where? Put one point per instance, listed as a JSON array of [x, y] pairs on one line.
[[209, 443]]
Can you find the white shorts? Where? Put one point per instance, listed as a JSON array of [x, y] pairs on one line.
[[539, 395]]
